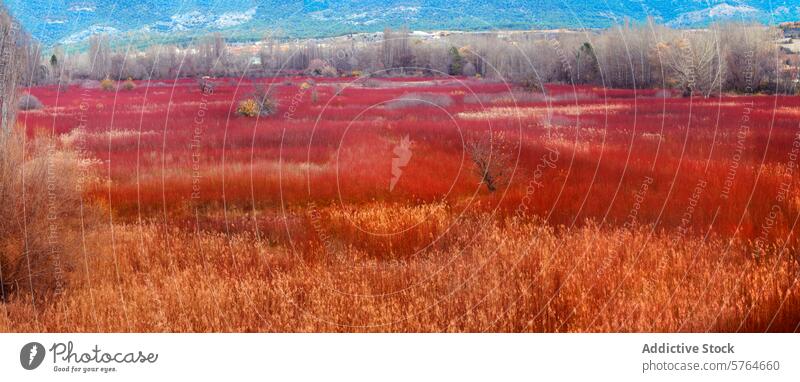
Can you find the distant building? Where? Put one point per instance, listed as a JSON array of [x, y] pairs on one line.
[[791, 29]]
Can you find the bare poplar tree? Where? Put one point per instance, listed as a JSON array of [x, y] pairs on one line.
[[100, 56], [388, 48], [751, 57], [695, 61], [12, 66]]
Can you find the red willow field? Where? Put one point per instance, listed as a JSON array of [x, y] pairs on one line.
[[358, 207]]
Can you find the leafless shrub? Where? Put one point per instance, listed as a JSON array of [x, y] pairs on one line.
[[321, 68], [267, 102], [205, 84], [39, 214], [420, 100], [29, 102], [128, 85], [259, 103], [491, 157], [529, 82], [107, 85]]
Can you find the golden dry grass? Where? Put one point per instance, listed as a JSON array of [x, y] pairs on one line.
[[491, 275], [39, 204]]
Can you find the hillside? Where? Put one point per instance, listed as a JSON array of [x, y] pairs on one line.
[[70, 22]]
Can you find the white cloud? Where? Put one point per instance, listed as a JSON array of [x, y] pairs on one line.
[[405, 9], [782, 10], [82, 7]]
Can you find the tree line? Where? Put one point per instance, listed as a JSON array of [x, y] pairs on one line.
[[732, 57]]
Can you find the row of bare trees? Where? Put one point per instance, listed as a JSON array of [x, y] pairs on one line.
[[727, 57]]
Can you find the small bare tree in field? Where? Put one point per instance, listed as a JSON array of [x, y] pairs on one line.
[[260, 103], [206, 85], [491, 159]]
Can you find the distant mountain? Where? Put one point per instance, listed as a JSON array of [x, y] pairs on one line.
[[71, 21]]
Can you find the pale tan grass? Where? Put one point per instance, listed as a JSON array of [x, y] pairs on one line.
[[540, 111]]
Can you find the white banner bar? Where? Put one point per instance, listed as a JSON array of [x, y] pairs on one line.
[[399, 357]]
